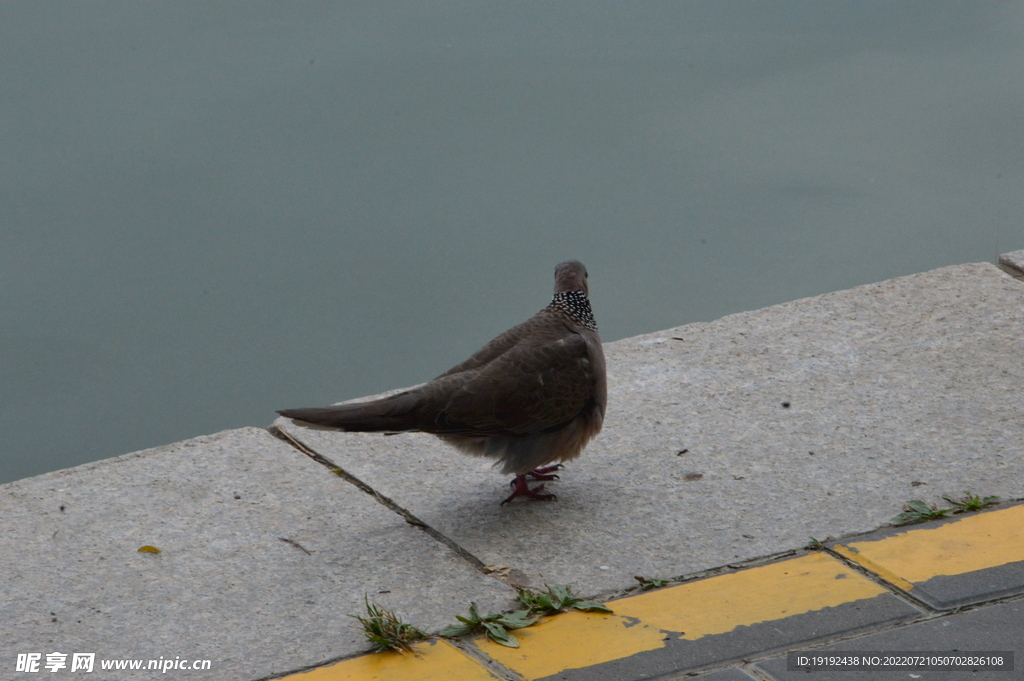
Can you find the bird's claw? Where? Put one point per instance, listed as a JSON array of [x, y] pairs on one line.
[[521, 489], [544, 472]]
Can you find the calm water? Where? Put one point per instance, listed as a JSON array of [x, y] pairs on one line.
[[208, 212]]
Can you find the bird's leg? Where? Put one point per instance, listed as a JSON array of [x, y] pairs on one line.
[[543, 473], [523, 490]]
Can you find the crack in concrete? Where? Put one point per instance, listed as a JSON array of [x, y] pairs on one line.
[[384, 500]]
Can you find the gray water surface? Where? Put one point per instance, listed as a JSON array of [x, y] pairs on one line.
[[209, 211]]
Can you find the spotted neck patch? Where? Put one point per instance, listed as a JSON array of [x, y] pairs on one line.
[[576, 305]]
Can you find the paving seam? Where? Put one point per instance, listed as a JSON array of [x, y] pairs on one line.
[[726, 569], [879, 579], [467, 648], [1012, 271], [314, 666], [384, 500]]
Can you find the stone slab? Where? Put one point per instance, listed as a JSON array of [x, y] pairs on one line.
[[989, 628], [740, 437], [263, 555], [947, 564], [1014, 259]]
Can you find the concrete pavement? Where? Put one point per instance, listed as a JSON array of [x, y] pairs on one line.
[[726, 447]]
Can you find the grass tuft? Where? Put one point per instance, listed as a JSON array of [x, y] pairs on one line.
[[556, 599], [386, 631], [648, 583], [970, 502], [917, 511]]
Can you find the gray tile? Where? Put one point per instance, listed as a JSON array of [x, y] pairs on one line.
[[909, 380], [946, 592], [263, 553], [988, 628]]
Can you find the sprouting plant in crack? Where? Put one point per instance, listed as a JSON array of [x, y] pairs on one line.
[[969, 502], [385, 630], [816, 544], [917, 511], [557, 599], [497, 627], [648, 583]]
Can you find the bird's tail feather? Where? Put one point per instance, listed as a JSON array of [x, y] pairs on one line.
[[390, 414]]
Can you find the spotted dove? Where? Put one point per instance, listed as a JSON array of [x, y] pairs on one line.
[[534, 395]]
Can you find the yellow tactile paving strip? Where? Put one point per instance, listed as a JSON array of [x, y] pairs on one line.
[[974, 542], [709, 606], [715, 605], [435, 661]]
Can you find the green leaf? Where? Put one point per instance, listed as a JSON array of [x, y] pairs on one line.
[[647, 584], [453, 630], [498, 634], [591, 606], [517, 620], [561, 593], [919, 506]]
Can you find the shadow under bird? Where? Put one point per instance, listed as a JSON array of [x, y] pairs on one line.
[[534, 395]]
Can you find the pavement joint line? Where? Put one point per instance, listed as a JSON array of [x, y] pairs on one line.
[[881, 572], [882, 580], [1012, 271], [469, 649], [441, 658], [754, 673], [728, 568], [384, 500], [312, 667], [749, 666]]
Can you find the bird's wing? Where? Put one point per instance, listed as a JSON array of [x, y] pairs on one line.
[[494, 349], [528, 389]]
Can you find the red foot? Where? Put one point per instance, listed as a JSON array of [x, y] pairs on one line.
[[523, 490]]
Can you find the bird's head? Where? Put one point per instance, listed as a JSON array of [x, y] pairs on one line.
[[571, 275]]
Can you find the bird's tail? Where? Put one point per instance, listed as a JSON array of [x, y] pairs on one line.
[[393, 414]]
